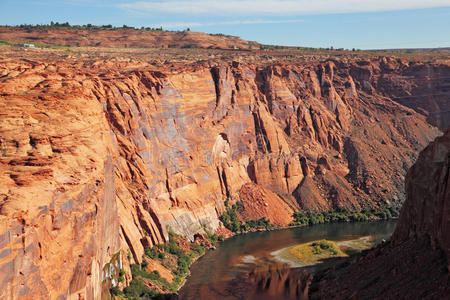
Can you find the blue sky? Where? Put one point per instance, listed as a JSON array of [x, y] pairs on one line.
[[364, 24]]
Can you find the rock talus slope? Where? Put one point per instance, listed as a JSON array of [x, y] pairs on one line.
[[101, 156]]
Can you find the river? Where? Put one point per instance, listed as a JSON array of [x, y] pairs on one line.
[[240, 253]]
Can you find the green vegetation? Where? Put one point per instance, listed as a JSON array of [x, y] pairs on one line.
[[121, 275], [5, 43], [176, 255], [37, 45], [344, 215], [231, 222], [324, 245], [66, 25], [229, 218], [137, 289], [223, 35], [3, 149], [311, 253], [214, 238], [262, 223], [117, 274]]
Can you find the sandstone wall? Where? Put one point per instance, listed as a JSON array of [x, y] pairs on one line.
[[426, 213], [99, 156], [414, 263], [58, 221]]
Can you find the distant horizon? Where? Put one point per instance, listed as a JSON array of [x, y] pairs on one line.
[[182, 30], [370, 25]]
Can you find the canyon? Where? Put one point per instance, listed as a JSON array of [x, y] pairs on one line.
[[101, 156]]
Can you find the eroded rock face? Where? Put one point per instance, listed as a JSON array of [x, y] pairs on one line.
[[100, 156], [426, 213], [414, 263], [58, 222], [423, 88]]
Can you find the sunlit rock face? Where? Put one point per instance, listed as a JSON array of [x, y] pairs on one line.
[[101, 156]]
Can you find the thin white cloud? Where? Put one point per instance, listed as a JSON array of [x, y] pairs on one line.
[[209, 24], [277, 7]]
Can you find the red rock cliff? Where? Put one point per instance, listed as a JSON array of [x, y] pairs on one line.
[[426, 212], [99, 156], [414, 263]]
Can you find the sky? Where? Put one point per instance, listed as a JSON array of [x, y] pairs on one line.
[[361, 24]]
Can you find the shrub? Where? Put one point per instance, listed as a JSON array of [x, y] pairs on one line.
[[121, 275], [154, 276], [151, 252], [138, 290], [144, 263], [343, 215], [319, 247], [115, 291], [229, 218], [198, 249]]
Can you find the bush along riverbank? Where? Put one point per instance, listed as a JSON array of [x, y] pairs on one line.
[[231, 221], [344, 215], [165, 267]]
